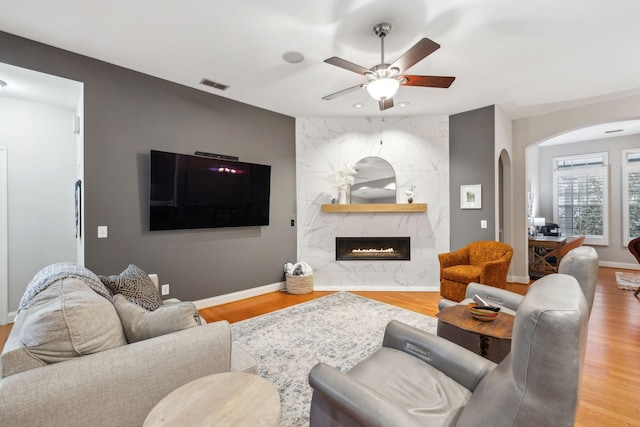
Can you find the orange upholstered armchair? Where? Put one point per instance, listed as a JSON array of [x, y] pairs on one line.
[[485, 262]]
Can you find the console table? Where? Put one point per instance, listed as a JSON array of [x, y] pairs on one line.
[[540, 248], [225, 399], [491, 340]]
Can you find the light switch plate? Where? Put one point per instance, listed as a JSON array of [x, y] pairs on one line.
[[103, 232]]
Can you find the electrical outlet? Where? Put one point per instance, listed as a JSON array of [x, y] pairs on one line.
[[103, 232], [165, 289], [483, 223]]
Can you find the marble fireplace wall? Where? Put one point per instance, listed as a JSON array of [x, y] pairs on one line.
[[418, 150]]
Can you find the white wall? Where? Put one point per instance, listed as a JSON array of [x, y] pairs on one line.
[[42, 172], [532, 130], [616, 252], [418, 150]]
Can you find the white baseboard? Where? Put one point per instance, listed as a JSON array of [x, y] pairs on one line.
[[237, 296], [623, 265], [518, 279], [254, 292], [364, 288], [261, 290], [221, 299]]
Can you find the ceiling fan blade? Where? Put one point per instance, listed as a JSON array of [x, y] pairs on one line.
[[418, 52], [343, 92], [428, 81], [350, 66], [385, 103]]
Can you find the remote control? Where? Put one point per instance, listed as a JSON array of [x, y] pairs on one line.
[[480, 301]]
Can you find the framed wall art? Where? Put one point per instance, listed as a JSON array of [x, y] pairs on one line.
[[471, 196]]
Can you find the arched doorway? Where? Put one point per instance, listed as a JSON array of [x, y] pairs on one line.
[[505, 211]]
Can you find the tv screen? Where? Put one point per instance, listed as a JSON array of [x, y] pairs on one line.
[[202, 192]]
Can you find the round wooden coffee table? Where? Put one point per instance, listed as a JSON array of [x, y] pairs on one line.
[[226, 399]]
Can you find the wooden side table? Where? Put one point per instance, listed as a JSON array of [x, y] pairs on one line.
[[226, 399], [489, 339]]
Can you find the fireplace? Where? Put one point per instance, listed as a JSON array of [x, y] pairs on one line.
[[373, 248]]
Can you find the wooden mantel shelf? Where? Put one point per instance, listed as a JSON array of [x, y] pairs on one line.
[[375, 207]]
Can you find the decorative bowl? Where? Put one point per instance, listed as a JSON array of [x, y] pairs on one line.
[[483, 313]]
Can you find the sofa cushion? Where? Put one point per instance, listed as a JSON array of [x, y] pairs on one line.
[[15, 358], [462, 273], [140, 324], [69, 319], [136, 286]]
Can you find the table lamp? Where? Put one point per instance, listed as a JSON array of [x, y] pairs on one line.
[[538, 222]]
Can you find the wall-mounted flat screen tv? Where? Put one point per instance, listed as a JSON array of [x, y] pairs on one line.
[[203, 192]]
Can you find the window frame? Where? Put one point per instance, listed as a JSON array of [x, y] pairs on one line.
[[626, 168], [586, 170]]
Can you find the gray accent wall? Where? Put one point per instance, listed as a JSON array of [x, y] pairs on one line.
[[126, 114], [472, 161]]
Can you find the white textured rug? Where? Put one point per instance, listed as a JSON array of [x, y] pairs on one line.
[[627, 281], [339, 329]]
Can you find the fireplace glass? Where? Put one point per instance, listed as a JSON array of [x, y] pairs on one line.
[[373, 248]]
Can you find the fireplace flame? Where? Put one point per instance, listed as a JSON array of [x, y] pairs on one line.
[[381, 250]]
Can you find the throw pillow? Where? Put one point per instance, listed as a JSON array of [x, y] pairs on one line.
[[140, 324], [136, 286], [69, 319]]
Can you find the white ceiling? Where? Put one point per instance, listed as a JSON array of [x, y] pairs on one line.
[[39, 87], [596, 132], [525, 57]]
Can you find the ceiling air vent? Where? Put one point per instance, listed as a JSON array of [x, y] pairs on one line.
[[213, 84]]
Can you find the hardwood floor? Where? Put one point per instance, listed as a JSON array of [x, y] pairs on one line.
[[610, 384], [609, 381], [422, 302]]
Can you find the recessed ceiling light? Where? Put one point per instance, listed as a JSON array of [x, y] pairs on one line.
[[293, 57], [358, 105], [403, 104], [3, 84]]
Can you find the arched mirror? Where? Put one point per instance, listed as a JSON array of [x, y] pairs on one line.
[[375, 182]]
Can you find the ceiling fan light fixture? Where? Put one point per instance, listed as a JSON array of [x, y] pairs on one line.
[[382, 89]]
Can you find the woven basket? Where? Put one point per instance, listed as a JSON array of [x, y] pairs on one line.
[[299, 284]]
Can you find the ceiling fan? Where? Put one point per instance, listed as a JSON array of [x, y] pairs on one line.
[[385, 79]]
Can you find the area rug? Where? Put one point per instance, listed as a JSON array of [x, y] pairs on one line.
[[627, 281], [339, 329]]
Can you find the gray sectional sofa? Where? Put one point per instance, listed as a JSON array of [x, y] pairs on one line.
[[67, 360]]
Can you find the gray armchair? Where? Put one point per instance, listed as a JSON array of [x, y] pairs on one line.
[[419, 379], [580, 263]]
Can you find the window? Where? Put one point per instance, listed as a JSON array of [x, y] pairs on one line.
[[580, 196], [630, 195]]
